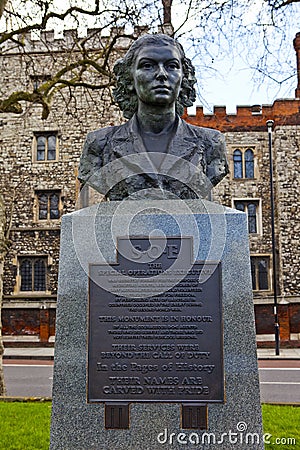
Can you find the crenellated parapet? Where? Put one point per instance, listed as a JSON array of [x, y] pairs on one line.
[[248, 118], [46, 41]]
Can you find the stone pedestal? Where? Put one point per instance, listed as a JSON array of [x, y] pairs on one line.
[[89, 236]]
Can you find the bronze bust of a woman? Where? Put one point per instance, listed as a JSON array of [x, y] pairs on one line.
[[155, 154]]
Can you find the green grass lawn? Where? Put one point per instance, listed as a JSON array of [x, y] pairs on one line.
[[283, 423], [25, 426]]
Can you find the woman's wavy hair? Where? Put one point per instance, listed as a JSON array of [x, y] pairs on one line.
[[124, 93]]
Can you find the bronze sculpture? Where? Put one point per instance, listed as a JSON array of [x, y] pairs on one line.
[[155, 154]]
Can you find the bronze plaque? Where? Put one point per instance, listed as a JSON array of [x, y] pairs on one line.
[[155, 325]]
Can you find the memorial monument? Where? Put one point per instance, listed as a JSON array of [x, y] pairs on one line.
[[155, 344], [155, 150]]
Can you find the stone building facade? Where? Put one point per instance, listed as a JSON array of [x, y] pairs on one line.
[[39, 161], [248, 188]]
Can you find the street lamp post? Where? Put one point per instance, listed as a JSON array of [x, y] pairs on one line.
[[270, 124]]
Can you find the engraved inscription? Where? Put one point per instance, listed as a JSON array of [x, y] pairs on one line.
[[165, 345]]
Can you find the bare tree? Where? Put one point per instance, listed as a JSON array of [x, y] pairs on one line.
[[84, 55], [259, 32]]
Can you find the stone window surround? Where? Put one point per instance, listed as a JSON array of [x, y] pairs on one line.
[[45, 133], [47, 190], [243, 148], [16, 262], [258, 211]]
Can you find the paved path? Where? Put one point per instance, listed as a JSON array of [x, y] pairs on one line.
[[28, 378], [279, 381]]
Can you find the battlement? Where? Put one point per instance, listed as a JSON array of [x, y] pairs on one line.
[[250, 118], [47, 42]]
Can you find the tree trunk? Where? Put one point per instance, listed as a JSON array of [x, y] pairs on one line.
[[2, 6], [167, 26], [167, 6], [3, 251]]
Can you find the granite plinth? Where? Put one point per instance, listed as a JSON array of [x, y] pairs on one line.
[[89, 236]]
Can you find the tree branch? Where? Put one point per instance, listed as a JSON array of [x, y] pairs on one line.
[[53, 15], [278, 5], [45, 92]]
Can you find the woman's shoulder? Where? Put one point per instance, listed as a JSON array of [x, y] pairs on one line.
[[100, 134]]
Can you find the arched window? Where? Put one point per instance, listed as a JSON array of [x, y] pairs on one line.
[[251, 208], [249, 163], [41, 148], [238, 164], [243, 163], [239, 205], [252, 220], [46, 146]]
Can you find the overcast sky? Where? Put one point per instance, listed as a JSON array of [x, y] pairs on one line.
[[228, 79], [238, 88], [229, 82]]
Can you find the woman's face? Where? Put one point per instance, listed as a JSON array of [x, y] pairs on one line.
[[157, 74]]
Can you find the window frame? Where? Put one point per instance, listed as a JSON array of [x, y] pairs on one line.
[[258, 257], [46, 135], [243, 150], [38, 79], [47, 192], [258, 203], [33, 258]]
